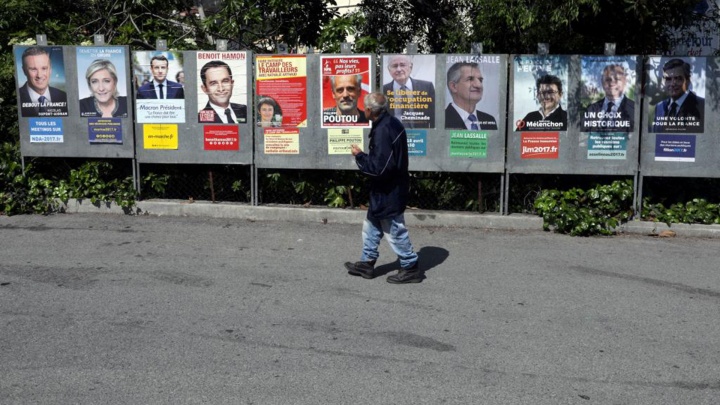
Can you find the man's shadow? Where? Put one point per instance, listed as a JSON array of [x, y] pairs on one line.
[[429, 257]]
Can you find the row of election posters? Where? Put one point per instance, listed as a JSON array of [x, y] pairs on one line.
[[471, 87], [102, 92]]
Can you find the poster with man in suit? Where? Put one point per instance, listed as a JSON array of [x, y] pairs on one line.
[[473, 89], [676, 89], [410, 89], [222, 95], [158, 99], [43, 93], [608, 93]]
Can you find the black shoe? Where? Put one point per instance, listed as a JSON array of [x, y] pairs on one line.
[[405, 276], [362, 269]]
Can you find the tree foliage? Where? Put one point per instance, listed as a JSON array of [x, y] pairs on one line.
[[569, 26], [260, 25]]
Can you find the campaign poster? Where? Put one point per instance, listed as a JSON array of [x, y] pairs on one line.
[[340, 140], [417, 142], [607, 93], [46, 130], [221, 137], [675, 148], [102, 82], [222, 87], [159, 98], [409, 85], [281, 90], [281, 141], [473, 92], [607, 145], [344, 80], [40, 72], [105, 130], [675, 90], [160, 136], [540, 145], [539, 96], [468, 144]]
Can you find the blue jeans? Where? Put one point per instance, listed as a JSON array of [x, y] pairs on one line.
[[372, 232]]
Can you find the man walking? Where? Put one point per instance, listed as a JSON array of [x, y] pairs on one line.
[[386, 165]]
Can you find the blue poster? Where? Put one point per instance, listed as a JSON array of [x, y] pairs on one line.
[[417, 142], [105, 130], [675, 148], [46, 130]]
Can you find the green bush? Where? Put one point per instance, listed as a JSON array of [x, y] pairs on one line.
[[695, 211], [94, 181], [27, 193], [31, 193], [597, 211]]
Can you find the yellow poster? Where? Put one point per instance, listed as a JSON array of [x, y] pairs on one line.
[[339, 140], [160, 136], [282, 141]]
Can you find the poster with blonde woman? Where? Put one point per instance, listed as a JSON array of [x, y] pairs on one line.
[[102, 82]]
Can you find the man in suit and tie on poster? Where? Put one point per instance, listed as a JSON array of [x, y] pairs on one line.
[[160, 87], [614, 112], [404, 87], [37, 97], [683, 110], [465, 82], [217, 83]]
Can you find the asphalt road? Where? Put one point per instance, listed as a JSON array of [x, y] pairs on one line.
[[112, 309]]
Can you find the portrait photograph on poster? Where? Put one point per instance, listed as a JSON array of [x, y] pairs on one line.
[[281, 90], [473, 92], [409, 85], [158, 99], [344, 80], [675, 90], [607, 93], [222, 87], [102, 82], [40, 72], [539, 93]]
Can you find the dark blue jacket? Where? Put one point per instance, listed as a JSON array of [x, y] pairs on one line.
[[386, 165]]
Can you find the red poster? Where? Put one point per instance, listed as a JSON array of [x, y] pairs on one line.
[[221, 137], [540, 145], [281, 88], [345, 80]]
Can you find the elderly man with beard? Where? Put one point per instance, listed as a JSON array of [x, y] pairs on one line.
[[346, 90]]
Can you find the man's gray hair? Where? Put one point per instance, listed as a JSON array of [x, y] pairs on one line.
[[376, 103], [454, 73], [358, 81], [612, 67]]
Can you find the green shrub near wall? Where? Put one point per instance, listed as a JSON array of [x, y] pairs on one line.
[[578, 212], [31, 193], [597, 210]]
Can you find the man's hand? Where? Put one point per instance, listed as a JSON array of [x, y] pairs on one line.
[[354, 149]]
